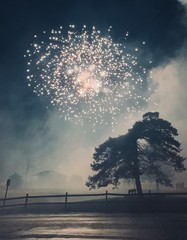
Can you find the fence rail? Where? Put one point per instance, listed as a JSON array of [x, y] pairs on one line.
[[63, 199]]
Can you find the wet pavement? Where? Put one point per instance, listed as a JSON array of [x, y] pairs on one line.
[[94, 226]]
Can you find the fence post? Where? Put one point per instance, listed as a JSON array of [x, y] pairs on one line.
[[149, 193], [26, 200], [106, 196], [66, 200], [106, 200]]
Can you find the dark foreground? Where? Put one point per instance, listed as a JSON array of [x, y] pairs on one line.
[[133, 204], [94, 226]]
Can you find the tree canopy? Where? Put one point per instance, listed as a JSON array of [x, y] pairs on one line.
[[148, 150]]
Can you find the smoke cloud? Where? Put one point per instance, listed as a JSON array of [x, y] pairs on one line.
[[33, 139], [183, 2]]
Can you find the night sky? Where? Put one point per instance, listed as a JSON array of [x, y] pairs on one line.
[[31, 133]]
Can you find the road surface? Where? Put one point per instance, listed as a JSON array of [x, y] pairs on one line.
[[94, 226]]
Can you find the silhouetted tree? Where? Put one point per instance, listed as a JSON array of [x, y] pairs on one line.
[[16, 181], [148, 149]]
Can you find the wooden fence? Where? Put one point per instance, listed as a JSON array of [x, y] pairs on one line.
[[68, 199], [27, 200]]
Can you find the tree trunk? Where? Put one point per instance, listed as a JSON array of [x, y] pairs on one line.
[[136, 168], [138, 183], [157, 186]]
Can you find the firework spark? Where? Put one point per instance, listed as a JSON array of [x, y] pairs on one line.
[[87, 76]]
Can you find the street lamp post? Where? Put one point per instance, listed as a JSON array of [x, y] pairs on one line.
[[7, 185]]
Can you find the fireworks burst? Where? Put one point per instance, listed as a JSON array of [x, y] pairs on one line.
[[87, 76]]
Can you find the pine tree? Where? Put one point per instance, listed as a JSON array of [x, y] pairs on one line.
[[148, 150]]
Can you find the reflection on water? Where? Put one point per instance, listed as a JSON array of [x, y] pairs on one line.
[[95, 226]]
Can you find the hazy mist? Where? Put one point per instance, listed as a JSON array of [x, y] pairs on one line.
[[49, 143]]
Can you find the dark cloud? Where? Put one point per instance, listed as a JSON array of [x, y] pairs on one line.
[[158, 22]]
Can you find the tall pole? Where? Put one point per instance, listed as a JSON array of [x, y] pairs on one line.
[[7, 185]]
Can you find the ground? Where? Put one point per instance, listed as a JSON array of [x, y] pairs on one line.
[[94, 226]]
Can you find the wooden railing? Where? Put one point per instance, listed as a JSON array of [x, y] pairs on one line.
[[60, 199], [28, 200]]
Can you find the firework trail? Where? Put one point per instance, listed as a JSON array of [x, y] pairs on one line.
[[86, 76]]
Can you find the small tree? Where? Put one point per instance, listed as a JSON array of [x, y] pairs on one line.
[[146, 150], [16, 181]]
